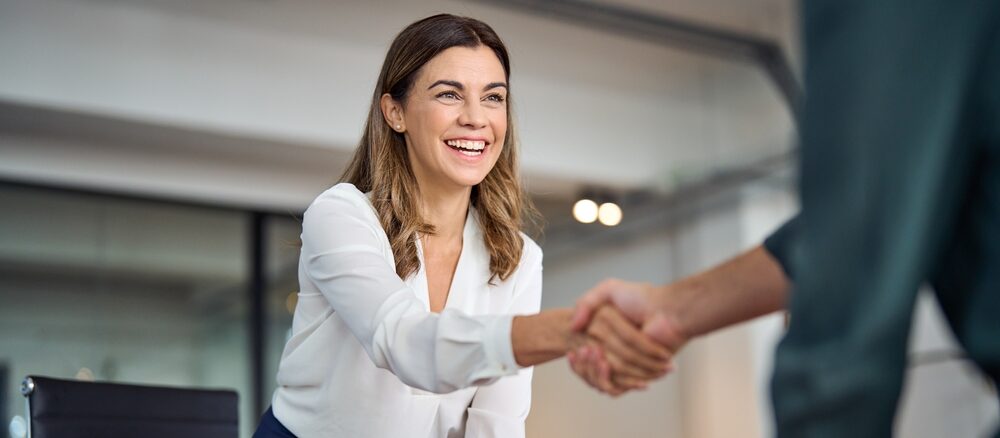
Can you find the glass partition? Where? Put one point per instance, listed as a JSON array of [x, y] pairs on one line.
[[113, 289]]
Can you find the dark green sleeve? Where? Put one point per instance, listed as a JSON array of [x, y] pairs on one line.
[[779, 244]]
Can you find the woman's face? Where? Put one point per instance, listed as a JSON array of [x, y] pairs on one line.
[[455, 118]]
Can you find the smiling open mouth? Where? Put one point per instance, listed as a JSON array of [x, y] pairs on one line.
[[470, 148]]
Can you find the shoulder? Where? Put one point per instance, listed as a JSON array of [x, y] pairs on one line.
[[343, 199], [341, 209]]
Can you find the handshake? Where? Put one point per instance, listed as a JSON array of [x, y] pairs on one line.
[[623, 335]]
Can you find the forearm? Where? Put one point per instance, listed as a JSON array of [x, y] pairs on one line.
[[745, 287], [541, 337]]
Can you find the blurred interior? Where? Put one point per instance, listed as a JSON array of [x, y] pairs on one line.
[[155, 157]]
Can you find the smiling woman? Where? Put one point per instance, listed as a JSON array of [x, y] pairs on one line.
[[454, 122], [413, 268], [444, 80]]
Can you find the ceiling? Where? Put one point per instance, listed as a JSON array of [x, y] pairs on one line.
[[277, 90]]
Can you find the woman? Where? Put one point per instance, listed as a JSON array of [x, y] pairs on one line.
[[412, 269]]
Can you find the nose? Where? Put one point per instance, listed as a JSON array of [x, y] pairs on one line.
[[473, 115]]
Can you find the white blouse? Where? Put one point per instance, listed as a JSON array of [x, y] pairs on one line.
[[367, 357]]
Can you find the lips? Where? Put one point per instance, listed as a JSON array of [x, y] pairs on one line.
[[469, 148]]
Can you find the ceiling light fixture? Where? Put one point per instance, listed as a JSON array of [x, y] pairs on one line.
[[585, 211], [609, 214]]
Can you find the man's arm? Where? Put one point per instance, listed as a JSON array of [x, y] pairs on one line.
[[747, 286]]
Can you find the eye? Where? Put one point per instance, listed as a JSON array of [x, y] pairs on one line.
[[495, 98], [448, 95]]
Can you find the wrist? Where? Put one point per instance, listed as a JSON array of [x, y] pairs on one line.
[[541, 337], [675, 301]]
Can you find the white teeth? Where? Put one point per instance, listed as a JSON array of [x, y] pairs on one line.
[[471, 153], [472, 145]]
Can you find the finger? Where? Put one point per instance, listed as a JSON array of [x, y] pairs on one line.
[[587, 369], [625, 367], [622, 366], [578, 365], [632, 336], [605, 380], [629, 383], [593, 370], [589, 302], [625, 358], [603, 371]]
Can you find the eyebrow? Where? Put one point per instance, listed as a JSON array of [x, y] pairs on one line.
[[459, 85]]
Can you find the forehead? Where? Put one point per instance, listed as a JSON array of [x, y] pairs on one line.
[[464, 64]]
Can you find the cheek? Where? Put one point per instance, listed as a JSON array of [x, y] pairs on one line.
[[497, 152], [500, 130], [429, 121], [440, 120], [424, 138]]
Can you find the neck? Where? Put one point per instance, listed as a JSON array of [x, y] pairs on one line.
[[446, 210]]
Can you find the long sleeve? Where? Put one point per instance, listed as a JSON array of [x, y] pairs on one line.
[[345, 253], [500, 409]]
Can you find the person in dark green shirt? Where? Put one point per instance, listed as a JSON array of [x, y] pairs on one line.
[[899, 186]]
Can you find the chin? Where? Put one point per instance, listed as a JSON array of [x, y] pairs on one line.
[[468, 180]]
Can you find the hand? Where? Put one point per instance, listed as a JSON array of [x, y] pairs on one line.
[[641, 305], [615, 356]]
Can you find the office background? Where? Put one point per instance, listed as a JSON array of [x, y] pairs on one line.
[[155, 157]]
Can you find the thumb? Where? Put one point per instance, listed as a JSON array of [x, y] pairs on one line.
[[581, 317], [587, 304], [665, 330]]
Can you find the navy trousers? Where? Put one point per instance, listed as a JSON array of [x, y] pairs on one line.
[[270, 427]]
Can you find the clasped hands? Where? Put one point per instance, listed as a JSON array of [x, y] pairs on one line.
[[623, 338]]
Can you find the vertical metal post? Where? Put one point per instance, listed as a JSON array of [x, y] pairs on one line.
[[27, 389], [4, 376], [258, 277]]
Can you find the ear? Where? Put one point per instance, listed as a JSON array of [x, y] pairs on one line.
[[392, 111]]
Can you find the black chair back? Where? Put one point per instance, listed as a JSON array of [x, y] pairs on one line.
[[73, 409]]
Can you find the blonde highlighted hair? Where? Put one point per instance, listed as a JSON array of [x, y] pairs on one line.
[[381, 166]]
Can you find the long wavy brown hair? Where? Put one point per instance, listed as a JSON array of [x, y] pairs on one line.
[[381, 165]]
